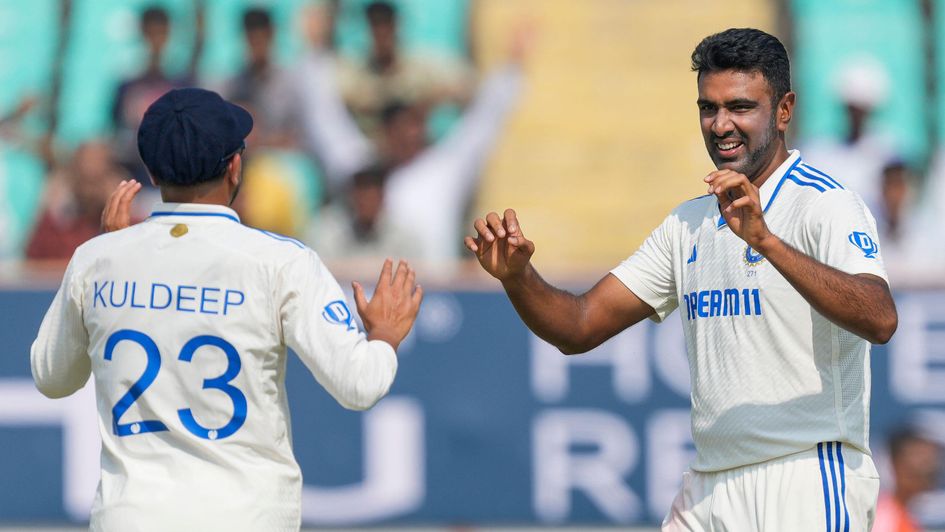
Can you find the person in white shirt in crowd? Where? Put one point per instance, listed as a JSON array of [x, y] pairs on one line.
[[862, 85], [185, 321], [913, 247], [358, 227], [430, 185]]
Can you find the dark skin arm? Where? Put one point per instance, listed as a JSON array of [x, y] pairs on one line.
[[861, 304], [572, 323]]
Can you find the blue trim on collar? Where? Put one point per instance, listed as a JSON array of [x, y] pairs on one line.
[[810, 168], [773, 195], [803, 183], [172, 213], [814, 177]]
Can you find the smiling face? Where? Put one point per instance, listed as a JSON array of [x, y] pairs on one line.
[[743, 126]]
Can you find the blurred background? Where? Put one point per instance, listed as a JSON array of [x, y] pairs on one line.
[[382, 130]]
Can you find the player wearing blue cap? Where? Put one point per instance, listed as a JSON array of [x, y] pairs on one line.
[[185, 320], [780, 288]]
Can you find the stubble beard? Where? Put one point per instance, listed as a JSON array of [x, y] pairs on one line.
[[756, 159]]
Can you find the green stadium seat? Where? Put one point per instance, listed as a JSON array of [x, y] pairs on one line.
[[22, 176], [827, 33], [29, 34], [104, 48], [940, 72]]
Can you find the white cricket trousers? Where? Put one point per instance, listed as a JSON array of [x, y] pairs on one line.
[[832, 487]]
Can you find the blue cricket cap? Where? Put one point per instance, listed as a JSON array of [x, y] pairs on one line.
[[187, 136]]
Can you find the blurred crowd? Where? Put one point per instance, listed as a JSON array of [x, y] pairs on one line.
[[915, 466], [379, 152], [369, 155], [868, 161]]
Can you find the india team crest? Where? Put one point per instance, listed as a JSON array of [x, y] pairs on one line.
[[752, 258]]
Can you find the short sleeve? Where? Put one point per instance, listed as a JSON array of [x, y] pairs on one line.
[[843, 233], [319, 325], [649, 273]]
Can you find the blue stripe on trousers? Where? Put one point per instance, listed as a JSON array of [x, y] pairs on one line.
[[833, 478], [843, 490], [823, 479]]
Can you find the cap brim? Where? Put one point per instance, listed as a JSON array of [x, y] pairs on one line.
[[244, 120]]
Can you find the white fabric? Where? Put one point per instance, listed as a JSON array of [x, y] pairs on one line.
[[770, 375], [830, 487], [429, 194], [330, 130], [859, 165], [218, 284]]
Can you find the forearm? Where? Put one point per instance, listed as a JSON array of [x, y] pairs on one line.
[[357, 375], [861, 304], [554, 315], [331, 133]]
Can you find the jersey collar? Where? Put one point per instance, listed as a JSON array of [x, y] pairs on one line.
[[770, 188], [195, 211]]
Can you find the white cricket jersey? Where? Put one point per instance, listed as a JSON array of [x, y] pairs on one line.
[[770, 375], [184, 320]]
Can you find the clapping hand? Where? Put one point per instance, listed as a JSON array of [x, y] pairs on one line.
[[390, 313], [117, 212]]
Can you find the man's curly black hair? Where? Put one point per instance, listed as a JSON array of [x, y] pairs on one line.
[[745, 50]]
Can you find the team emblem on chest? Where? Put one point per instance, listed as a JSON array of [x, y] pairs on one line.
[[751, 257]]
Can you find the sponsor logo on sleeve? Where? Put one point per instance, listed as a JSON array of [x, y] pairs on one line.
[[865, 243], [337, 313]]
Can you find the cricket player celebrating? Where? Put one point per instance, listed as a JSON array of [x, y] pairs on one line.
[[185, 320], [780, 287]]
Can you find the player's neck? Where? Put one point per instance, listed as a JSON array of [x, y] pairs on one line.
[[206, 194], [780, 155]]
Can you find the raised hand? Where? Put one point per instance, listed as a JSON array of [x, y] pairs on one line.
[[390, 313], [117, 212], [740, 204], [500, 245]]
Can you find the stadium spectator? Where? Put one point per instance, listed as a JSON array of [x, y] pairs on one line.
[[359, 228], [930, 207], [11, 123], [390, 74], [328, 130], [20, 191], [430, 185], [908, 231], [73, 203], [135, 95], [894, 215], [264, 86], [862, 85], [916, 461], [282, 191]]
